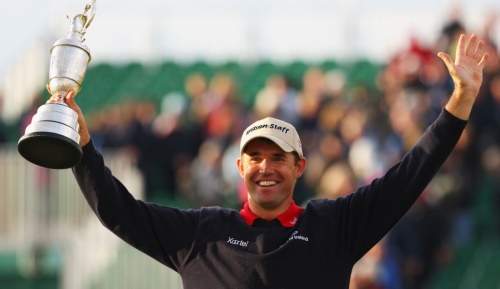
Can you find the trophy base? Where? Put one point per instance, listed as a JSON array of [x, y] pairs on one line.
[[50, 150]]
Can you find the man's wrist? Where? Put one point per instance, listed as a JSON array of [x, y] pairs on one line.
[[459, 107], [84, 140]]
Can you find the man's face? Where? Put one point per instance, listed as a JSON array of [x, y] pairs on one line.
[[270, 174]]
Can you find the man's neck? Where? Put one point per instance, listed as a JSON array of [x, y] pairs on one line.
[[269, 213]]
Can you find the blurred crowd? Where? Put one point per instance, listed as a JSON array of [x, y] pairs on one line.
[[187, 148]]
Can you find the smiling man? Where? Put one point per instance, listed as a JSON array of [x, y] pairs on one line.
[[271, 162], [272, 242]]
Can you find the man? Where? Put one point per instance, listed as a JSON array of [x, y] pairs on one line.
[[271, 242]]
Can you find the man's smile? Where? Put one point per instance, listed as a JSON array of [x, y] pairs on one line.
[[267, 183]]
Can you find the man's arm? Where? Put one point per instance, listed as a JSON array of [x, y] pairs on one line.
[[374, 209], [164, 233], [467, 74]]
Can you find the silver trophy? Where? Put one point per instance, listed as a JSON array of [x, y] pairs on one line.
[[52, 139]]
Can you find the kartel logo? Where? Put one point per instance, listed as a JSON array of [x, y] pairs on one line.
[[296, 236], [237, 242]]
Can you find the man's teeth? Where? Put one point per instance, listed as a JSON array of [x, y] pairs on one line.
[[267, 183]]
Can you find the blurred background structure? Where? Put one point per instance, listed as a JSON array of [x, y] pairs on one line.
[[170, 88]]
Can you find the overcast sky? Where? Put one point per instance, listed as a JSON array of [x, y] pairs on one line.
[[146, 30]]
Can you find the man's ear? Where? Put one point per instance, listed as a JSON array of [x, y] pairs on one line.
[[300, 167], [239, 163]]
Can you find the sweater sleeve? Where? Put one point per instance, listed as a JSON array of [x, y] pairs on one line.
[[164, 233], [368, 214]]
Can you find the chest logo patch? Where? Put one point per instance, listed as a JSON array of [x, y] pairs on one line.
[[296, 236], [241, 243]]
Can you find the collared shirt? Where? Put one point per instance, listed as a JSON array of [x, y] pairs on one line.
[[286, 219]]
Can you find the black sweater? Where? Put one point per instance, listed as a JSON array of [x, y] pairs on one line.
[[213, 247]]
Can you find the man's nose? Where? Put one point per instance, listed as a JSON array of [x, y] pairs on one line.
[[266, 167]]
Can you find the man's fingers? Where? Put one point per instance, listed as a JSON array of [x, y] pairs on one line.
[[471, 45], [474, 49], [70, 97], [70, 100], [480, 50], [460, 47], [54, 98], [483, 61], [446, 59]]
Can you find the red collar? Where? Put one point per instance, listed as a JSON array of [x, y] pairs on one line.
[[287, 219]]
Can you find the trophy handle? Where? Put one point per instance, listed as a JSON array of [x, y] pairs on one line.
[[92, 8], [81, 22]]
